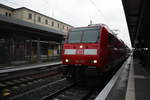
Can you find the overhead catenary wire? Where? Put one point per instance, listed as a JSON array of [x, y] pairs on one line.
[[48, 5], [98, 10], [52, 14]]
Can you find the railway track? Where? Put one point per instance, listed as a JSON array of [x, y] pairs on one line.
[[12, 84], [47, 84], [42, 91], [86, 89]]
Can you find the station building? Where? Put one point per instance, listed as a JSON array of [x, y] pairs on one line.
[[27, 36]]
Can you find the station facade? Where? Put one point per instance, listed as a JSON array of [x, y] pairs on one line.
[[28, 36]]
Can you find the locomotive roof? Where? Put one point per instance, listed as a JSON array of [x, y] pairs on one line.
[[89, 27], [84, 28]]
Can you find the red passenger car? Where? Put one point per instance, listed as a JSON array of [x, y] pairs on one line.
[[92, 46]]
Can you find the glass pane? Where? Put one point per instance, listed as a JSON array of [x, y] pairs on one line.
[[90, 36], [75, 37]]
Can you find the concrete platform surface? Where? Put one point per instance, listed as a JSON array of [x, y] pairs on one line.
[[132, 84], [142, 81], [29, 66]]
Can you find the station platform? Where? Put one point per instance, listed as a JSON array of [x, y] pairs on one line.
[[132, 83], [5, 69], [138, 82]]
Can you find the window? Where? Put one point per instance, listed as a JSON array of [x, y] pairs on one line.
[[52, 23], [75, 37], [9, 14], [58, 25], [6, 14], [109, 39], [46, 21], [29, 16], [84, 35], [90, 36], [39, 19]]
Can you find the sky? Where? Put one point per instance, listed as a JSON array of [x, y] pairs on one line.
[[79, 12]]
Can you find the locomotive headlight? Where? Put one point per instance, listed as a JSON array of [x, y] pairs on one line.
[[81, 46], [66, 60], [94, 61]]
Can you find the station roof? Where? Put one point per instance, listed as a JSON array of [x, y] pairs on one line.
[[13, 25], [7, 7], [138, 20]]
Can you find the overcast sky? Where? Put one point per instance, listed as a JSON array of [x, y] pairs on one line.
[[80, 12]]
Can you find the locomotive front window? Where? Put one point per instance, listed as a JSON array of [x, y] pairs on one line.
[[90, 36], [75, 37]]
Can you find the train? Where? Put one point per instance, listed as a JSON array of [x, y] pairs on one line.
[[94, 46]]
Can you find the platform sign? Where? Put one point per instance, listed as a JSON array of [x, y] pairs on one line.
[[50, 52], [55, 52]]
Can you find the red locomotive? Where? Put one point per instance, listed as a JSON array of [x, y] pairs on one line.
[[94, 46]]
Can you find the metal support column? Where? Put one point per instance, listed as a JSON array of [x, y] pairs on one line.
[[38, 50], [140, 21], [12, 49], [59, 49], [31, 50]]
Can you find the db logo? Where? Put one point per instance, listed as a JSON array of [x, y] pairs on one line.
[[80, 51]]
